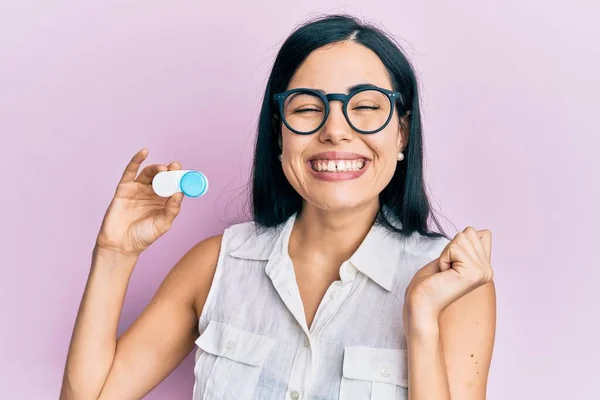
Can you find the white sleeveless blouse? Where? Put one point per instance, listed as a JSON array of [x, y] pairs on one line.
[[254, 341]]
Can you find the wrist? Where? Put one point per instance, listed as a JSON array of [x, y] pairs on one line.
[[423, 330], [421, 322], [115, 257]]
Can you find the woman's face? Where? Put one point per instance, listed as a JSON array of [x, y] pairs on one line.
[[336, 167]]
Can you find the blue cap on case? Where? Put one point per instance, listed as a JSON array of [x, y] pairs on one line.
[[193, 184]]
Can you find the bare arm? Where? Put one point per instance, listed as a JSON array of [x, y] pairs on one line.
[[428, 378], [467, 332], [450, 316], [164, 334], [101, 367], [93, 342], [98, 364], [451, 359]]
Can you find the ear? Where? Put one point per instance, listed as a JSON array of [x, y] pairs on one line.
[[403, 132]]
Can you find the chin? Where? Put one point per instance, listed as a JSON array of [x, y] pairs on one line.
[[341, 201]]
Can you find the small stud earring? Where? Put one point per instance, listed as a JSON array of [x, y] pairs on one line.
[[400, 156], [279, 157]]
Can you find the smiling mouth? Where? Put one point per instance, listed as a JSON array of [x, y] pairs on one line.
[[337, 165]]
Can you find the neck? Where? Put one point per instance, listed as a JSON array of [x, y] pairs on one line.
[[330, 236]]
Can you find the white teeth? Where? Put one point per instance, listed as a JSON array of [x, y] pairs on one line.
[[337, 166]]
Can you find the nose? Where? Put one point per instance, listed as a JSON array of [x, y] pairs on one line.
[[336, 129]]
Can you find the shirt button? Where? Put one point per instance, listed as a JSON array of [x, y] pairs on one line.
[[230, 344], [306, 342], [295, 395], [385, 372], [335, 294]]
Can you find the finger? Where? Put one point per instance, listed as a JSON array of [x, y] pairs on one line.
[[150, 172], [131, 170], [445, 260], [486, 241], [473, 236], [174, 166], [456, 282], [166, 216], [452, 253], [465, 241], [456, 258]]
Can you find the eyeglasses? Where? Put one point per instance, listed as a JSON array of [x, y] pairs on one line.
[[367, 108]]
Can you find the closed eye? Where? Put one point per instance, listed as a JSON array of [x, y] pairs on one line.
[[304, 110]]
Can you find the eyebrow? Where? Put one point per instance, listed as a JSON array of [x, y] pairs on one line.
[[353, 87]]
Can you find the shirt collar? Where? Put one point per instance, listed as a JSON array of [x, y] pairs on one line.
[[376, 257]]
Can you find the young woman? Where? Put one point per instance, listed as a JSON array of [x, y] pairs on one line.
[[337, 289]]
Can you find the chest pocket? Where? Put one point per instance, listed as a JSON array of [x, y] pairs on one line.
[[237, 359], [374, 374]]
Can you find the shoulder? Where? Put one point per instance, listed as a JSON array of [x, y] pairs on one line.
[[426, 247], [205, 254], [415, 244], [422, 251], [196, 268], [199, 264]]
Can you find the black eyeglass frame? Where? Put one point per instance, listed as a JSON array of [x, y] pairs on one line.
[[280, 98]]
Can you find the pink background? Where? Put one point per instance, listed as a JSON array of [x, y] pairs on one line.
[[510, 93]]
